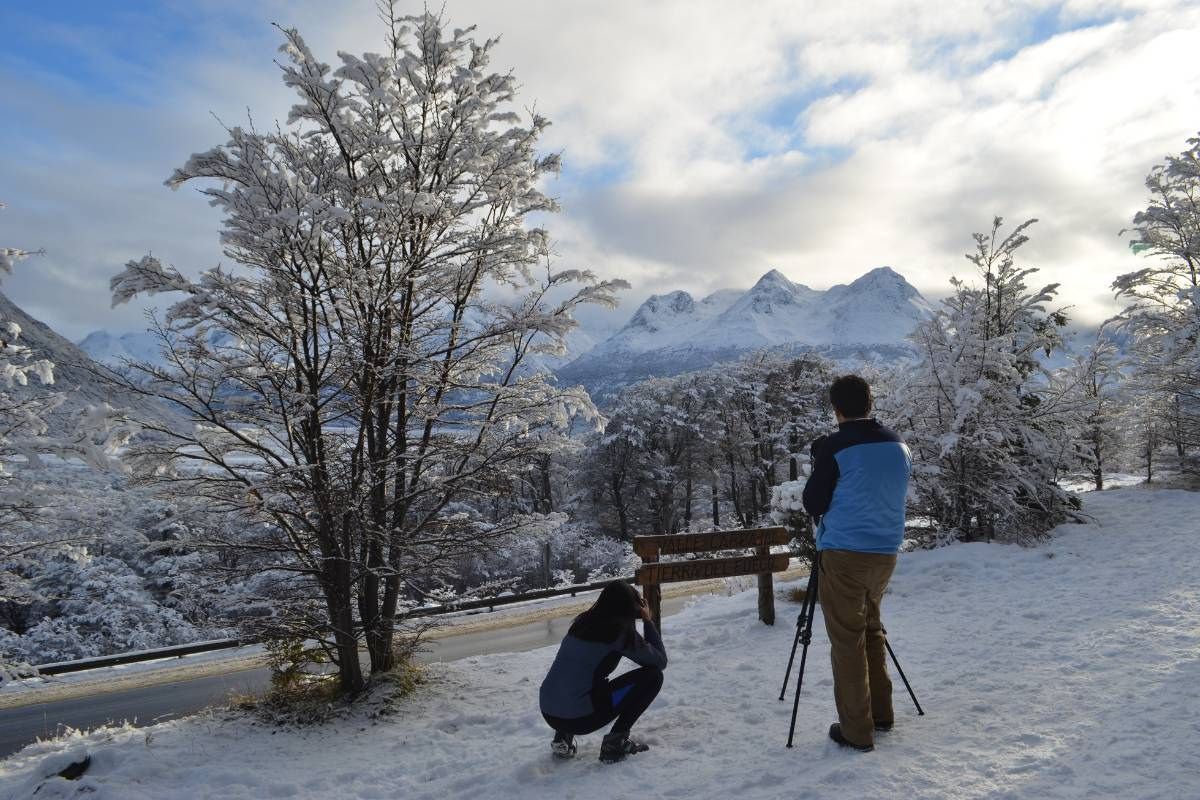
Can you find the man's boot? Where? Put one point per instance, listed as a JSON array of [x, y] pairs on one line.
[[835, 733]]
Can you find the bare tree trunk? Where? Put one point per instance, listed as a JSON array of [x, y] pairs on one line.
[[1177, 430], [687, 502], [735, 496], [546, 504], [614, 488], [341, 614]]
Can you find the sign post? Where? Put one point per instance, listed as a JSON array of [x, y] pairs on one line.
[[653, 572]]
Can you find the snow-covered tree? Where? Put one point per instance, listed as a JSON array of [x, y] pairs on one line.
[[720, 437], [1163, 311], [1097, 375], [987, 424], [643, 465], [109, 563], [1143, 420], [357, 385], [768, 410], [94, 435]]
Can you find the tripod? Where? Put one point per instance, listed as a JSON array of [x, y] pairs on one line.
[[804, 636]]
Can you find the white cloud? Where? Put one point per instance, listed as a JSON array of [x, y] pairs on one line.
[[692, 161]]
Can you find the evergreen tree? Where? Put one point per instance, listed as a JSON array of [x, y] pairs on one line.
[[986, 422], [1097, 374]]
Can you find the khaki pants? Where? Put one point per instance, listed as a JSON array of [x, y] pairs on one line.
[[850, 588]]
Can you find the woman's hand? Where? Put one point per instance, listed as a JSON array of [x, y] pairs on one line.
[[645, 609]]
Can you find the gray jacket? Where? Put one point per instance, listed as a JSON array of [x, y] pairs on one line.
[[582, 667]]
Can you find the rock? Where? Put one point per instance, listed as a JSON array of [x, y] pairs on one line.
[[74, 771]]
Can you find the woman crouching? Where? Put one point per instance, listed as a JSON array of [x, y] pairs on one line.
[[577, 697]]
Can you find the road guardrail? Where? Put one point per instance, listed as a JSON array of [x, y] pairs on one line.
[[212, 645]]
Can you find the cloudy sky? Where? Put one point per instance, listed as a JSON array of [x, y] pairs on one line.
[[703, 142]]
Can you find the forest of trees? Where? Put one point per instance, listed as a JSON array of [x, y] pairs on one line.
[[367, 428]]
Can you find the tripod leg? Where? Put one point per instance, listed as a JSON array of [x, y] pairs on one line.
[[787, 674], [805, 638], [796, 701], [903, 677]]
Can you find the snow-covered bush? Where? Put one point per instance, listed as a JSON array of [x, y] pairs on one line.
[[787, 509], [97, 605]]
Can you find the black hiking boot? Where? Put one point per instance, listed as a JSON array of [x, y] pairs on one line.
[[835, 733], [563, 746], [618, 745], [884, 726]]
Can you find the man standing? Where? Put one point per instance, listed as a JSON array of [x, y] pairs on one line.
[[857, 489]]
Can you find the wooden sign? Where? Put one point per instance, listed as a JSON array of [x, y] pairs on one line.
[[654, 573], [706, 569], [707, 542]]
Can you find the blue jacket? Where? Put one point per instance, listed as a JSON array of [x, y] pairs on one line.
[[857, 488]]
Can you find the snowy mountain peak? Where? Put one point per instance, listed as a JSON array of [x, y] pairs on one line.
[[114, 350], [882, 279], [672, 333], [660, 309], [772, 292], [773, 280]]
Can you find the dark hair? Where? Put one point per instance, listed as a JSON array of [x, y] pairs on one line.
[[611, 616], [851, 396]]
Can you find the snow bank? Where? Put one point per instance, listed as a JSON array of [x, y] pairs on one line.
[[1065, 671]]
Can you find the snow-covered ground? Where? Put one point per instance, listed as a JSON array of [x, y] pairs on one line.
[[1065, 671], [1113, 480]]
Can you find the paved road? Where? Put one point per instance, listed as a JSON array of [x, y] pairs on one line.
[[147, 705]]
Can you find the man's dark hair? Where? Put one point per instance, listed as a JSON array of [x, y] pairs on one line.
[[851, 396]]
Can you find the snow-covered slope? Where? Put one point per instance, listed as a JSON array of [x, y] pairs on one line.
[[1067, 670], [866, 319], [74, 372]]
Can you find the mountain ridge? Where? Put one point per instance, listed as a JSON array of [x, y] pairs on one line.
[[867, 319], [76, 375]]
